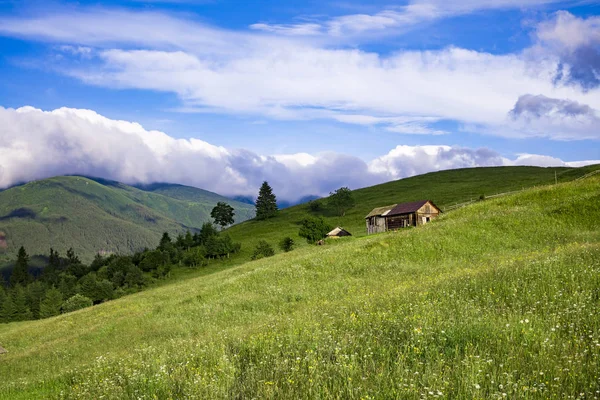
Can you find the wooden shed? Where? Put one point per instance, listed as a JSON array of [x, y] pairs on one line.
[[338, 232], [402, 215]]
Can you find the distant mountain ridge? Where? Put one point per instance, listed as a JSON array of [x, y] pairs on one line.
[[100, 215]]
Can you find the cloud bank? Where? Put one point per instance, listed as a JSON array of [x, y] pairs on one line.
[[36, 144]]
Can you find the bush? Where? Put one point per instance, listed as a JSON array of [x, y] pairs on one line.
[[482, 197], [263, 249], [195, 257], [314, 229], [76, 302], [314, 205], [286, 244]]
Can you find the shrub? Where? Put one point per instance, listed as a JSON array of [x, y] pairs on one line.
[[314, 229], [262, 249], [482, 197], [76, 302], [286, 244], [314, 205]]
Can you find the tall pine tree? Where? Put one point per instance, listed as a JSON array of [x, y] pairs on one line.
[[51, 304], [20, 276], [266, 203]]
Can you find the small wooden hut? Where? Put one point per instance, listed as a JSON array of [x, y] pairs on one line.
[[338, 232], [402, 215]]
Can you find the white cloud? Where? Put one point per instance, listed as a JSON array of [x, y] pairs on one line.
[[35, 144], [286, 73]]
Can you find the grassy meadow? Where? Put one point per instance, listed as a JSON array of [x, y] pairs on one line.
[[444, 188], [495, 300]]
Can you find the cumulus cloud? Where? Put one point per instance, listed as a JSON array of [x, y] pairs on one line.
[[577, 43], [537, 113], [36, 144]]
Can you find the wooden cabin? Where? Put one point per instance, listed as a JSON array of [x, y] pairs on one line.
[[338, 232], [397, 216]]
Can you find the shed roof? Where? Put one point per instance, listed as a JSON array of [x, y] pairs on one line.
[[406, 208], [381, 211], [337, 231]]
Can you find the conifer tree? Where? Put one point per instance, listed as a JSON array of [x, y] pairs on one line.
[[3, 297], [8, 312], [20, 275], [22, 311], [266, 203], [35, 294], [51, 304]]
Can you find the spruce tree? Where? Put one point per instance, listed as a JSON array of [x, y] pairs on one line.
[[36, 292], [20, 275], [22, 311], [8, 312], [51, 304], [3, 297], [266, 203]]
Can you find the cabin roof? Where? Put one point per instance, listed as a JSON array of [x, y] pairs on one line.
[[406, 208], [397, 209], [381, 211], [337, 231]]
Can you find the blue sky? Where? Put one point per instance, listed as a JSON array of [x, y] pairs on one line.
[[280, 89]]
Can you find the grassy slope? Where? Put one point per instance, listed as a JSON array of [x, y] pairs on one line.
[[444, 188], [497, 297], [89, 216]]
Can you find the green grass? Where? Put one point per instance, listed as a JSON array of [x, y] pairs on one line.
[[498, 298], [444, 188], [91, 216]]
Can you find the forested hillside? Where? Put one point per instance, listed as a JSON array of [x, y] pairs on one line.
[[94, 216]]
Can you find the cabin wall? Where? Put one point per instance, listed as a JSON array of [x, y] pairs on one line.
[[426, 214], [376, 225]]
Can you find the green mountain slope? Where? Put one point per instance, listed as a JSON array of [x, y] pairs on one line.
[[444, 188], [93, 216], [494, 300]]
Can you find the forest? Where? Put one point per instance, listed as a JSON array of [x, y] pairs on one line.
[[66, 284]]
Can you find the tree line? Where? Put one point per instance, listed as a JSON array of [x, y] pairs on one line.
[[66, 284]]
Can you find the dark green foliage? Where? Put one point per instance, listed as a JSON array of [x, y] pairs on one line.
[[72, 258], [314, 205], [195, 257], [76, 302], [154, 259], [98, 263], [314, 229], [134, 277], [262, 249], [20, 275], [22, 311], [341, 200], [481, 197], [286, 244], [266, 203], [8, 312], [222, 214], [51, 304], [207, 231], [67, 285], [36, 292], [221, 245], [51, 272], [165, 242]]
